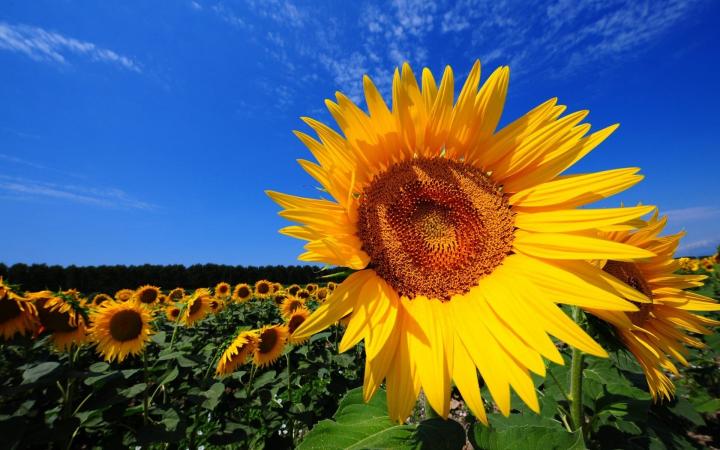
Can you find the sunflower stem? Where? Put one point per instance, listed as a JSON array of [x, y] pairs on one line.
[[145, 392], [576, 371], [291, 426]]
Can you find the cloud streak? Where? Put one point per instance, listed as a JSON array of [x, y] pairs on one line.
[[693, 213], [43, 45], [111, 198]]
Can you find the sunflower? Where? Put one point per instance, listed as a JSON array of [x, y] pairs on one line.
[[172, 313], [242, 293], [294, 321], [147, 294], [290, 305], [276, 287], [657, 331], [124, 295], [311, 288], [62, 315], [162, 298], [100, 299], [263, 288], [303, 294], [222, 290], [216, 304], [17, 314], [462, 238], [120, 329], [279, 298], [176, 294], [197, 307], [293, 289], [331, 286], [707, 264], [237, 352], [322, 294], [271, 342]]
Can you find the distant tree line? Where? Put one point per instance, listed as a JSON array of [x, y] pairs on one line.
[[110, 279]]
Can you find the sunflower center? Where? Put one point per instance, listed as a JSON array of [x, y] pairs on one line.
[[295, 322], [243, 292], [195, 306], [54, 321], [8, 310], [268, 339], [434, 226], [126, 325], [263, 288], [629, 274], [148, 296]]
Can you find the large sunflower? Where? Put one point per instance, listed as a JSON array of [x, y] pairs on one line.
[[463, 238], [237, 352], [17, 314], [271, 342], [658, 331], [120, 329]]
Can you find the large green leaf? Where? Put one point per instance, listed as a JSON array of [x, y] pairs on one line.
[[528, 432], [366, 425]]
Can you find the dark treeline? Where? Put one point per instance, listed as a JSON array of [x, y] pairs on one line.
[[110, 279]]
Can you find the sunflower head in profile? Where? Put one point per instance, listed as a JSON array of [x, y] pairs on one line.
[[176, 294], [331, 286], [303, 294], [276, 287], [197, 307], [123, 295], [462, 237], [172, 313], [279, 298], [658, 330], [311, 288], [322, 294], [17, 314], [294, 321], [293, 289], [120, 329], [263, 288], [237, 352], [62, 315], [242, 293], [290, 305], [222, 290], [271, 342], [99, 299], [147, 295]]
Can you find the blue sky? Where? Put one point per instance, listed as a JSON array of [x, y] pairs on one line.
[[146, 132]]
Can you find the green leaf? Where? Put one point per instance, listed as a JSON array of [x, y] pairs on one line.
[[169, 376], [159, 338], [264, 379], [39, 371], [133, 391], [527, 432], [213, 395], [358, 425]]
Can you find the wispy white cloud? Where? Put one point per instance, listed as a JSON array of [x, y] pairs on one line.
[[704, 244], [24, 188], [693, 213], [43, 45]]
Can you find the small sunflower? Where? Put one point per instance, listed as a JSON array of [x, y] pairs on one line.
[[290, 305], [222, 290], [276, 287], [124, 295], [176, 294], [263, 288], [162, 299], [100, 299], [303, 294], [708, 264], [293, 323], [331, 286], [242, 293], [17, 314], [271, 342], [147, 295], [463, 238], [279, 298], [120, 329], [293, 289], [172, 313], [216, 304], [322, 294], [62, 315], [237, 352], [197, 307], [311, 288], [658, 330]]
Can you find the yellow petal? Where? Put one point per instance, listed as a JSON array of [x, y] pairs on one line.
[[571, 246], [577, 219]]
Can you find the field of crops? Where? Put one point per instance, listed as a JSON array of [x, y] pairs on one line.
[[63, 383]]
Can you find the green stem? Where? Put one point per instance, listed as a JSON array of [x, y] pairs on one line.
[[576, 370], [145, 392], [292, 434]]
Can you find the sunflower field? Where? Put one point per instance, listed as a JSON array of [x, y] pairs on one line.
[[176, 369]]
